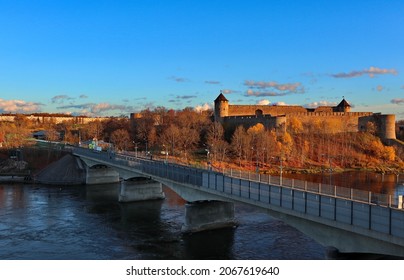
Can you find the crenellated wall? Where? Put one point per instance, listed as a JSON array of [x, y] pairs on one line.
[[244, 110], [274, 116]]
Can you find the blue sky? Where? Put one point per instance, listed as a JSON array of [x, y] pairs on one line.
[[109, 58]]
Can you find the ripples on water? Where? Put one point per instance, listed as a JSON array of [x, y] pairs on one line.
[[47, 222]]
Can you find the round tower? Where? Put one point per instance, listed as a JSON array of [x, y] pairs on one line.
[[387, 127], [221, 108]]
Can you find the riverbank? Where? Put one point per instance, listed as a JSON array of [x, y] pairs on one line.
[[22, 165]]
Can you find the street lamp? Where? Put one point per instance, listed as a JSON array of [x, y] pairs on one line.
[[252, 156], [166, 153], [135, 148], [330, 168], [280, 158], [207, 158]]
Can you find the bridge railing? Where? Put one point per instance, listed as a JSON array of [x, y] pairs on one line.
[[348, 206], [320, 188], [362, 214], [187, 174]]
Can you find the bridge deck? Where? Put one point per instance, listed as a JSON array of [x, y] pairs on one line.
[[363, 217]]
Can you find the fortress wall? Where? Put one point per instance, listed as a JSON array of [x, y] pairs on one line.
[[385, 125], [243, 110], [232, 123], [272, 116], [249, 110], [330, 114], [342, 122]]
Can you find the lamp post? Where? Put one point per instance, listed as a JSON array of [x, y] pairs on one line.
[[207, 158], [135, 148], [330, 166], [166, 153], [329, 161], [280, 158], [252, 156]]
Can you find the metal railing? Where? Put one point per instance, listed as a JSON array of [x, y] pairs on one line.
[[358, 208], [387, 200], [173, 171]]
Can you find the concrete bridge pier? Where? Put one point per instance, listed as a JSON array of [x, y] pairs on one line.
[[140, 190], [101, 174], [207, 215]]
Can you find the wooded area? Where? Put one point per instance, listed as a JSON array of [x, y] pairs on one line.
[[192, 137]]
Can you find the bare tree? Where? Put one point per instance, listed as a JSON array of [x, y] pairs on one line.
[[188, 138], [121, 139], [215, 140], [170, 137]]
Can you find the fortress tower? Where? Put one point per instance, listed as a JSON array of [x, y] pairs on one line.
[[343, 106], [221, 107]]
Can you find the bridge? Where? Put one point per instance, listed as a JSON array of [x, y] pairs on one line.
[[349, 220]]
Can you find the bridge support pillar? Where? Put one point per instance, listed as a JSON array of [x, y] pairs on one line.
[[140, 190], [102, 175], [207, 215]]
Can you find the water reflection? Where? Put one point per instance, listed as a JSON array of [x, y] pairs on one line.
[[367, 181], [102, 193], [217, 244], [48, 222]]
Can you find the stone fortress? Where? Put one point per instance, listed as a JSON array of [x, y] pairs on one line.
[[275, 116]]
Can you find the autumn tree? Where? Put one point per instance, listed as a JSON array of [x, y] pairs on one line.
[[239, 141], [111, 125], [13, 136], [188, 138], [91, 130], [169, 138], [121, 139], [217, 146], [143, 129]]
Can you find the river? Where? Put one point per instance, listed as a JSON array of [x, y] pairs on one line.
[[87, 223]]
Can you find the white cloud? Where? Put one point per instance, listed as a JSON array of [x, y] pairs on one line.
[[398, 101], [93, 109], [280, 103], [204, 107], [290, 87], [263, 102], [261, 88], [19, 106], [320, 103], [60, 99], [372, 71], [228, 91]]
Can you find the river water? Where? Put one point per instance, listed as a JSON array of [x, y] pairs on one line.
[[87, 223]]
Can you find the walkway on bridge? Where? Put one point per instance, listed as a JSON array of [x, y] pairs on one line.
[[350, 220]]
